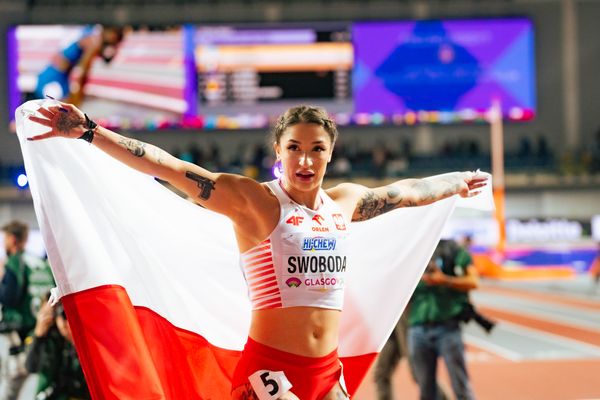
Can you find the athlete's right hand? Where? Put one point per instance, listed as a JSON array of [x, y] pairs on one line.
[[64, 120]]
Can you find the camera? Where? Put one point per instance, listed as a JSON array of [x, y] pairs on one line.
[[470, 313]]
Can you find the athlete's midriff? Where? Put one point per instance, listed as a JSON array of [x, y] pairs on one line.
[[306, 331]]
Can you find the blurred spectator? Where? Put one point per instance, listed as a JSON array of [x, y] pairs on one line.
[[393, 351], [379, 159], [186, 155], [524, 147], [474, 149], [596, 152], [51, 354], [195, 154], [340, 164], [17, 317], [407, 148], [213, 158], [543, 151], [435, 313], [390, 356]]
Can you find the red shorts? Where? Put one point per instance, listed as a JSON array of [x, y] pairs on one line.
[[311, 377]]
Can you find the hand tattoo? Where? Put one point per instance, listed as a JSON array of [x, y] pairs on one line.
[[66, 122], [135, 147], [206, 185]]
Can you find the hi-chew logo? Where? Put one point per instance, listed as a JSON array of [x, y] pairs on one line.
[[293, 282], [318, 243]]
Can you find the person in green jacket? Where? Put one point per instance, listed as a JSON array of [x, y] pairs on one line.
[[436, 310], [18, 318], [14, 292]]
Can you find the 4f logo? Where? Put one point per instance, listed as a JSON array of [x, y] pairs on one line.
[[317, 218], [294, 220]]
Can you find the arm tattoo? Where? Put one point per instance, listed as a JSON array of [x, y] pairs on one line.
[[428, 192], [68, 121], [424, 190], [135, 147], [372, 205], [158, 155], [206, 185]]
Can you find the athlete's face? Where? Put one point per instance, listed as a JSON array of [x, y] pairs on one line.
[[304, 151]]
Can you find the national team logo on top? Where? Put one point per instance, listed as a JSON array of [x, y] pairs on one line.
[[339, 222]]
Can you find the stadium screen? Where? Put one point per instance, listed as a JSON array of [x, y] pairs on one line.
[[248, 76], [124, 77], [237, 77], [443, 71]]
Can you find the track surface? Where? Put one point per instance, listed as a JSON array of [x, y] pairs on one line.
[[546, 344]]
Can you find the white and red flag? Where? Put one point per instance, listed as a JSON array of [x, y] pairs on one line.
[[152, 286]]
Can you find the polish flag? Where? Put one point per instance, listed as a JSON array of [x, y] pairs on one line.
[[152, 286]]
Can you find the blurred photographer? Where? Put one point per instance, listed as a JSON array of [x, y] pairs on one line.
[[17, 317], [436, 310], [51, 354]]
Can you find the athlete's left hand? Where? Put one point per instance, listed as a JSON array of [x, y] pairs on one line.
[[471, 183], [62, 120]]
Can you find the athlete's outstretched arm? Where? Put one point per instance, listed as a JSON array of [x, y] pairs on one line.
[[363, 203], [224, 193]]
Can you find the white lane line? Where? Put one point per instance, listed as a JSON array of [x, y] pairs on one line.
[[493, 348], [552, 338], [555, 313]]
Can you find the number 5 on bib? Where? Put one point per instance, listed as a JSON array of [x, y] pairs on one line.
[[269, 385]]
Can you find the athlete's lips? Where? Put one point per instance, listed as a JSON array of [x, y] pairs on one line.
[[305, 175]]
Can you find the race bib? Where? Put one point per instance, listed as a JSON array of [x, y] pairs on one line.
[[269, 385]]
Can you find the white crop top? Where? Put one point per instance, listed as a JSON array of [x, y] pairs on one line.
[[303, 262]]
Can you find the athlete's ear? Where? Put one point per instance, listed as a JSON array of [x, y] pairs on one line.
[[277, 150]]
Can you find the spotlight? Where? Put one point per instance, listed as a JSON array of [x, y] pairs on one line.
[[22, 181]]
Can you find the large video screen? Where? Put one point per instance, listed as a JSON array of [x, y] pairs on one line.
[[444, 71], [244, 76], [248, 76], [124, 77]]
